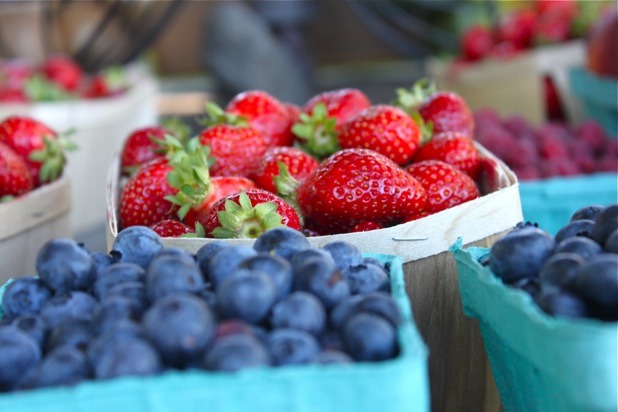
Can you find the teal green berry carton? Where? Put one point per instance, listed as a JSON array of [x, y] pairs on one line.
[[540, 363], [397, 385]]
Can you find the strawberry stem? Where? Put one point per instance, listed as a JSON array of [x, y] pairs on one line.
[[411, 100], [177, 127], [317, 132], [216, 115], [243, 220], [52, 156], [39, 89]]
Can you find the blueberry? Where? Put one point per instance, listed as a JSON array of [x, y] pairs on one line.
[[365, 278], [381, 304], [374, 261], [301, 311], [520, 254], [576, 228], [247, 297], [101, 261], [321, 278], [231, 327], [279, 270], [62, 366], [226, 261], [560, 269], [331, 356], [344, 254], [34, 326], [346, 308], [126, 357], [74, 305], [175, 252], [587, 213], [300, 257], [65, 266], [116, 274], [210, 297], [136, 244], [170, 274], [206, 252], [559, 302], [18, 354], [180, 326], [611, 244], [24, 296], [114, 308], [72, 332], [605, 224], [122, 329], [597, 283], [136, 291], [292, 347], [282, 241], [331, 340], [582, 246], [236, 352], [368, 337]]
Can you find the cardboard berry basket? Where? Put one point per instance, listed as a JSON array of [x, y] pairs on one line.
[[396, 385], [28, 221], [100, 127], [459, 372], [540, 362]]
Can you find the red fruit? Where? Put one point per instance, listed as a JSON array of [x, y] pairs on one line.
[[358, 185], [446, 185], [367, 227], [249, 214], [453, 148], [416, 216], [523, 153], [12, 95], [448, 112], [517, 28], [486, 117], [15, 179], [341, 104], [559, 166], [601, 57], [266, 114], [528, 173], [294, 111], [592, 134], [582, 155], [553, 103], [385, 129], [476, 42], [62, 71], [139, 148], [171, 228], [299, 164], [553, 25], [14, 73], [96, 88], [504, 50]]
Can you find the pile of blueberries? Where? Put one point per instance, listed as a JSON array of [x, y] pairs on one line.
[[144, 309], [575, 273]]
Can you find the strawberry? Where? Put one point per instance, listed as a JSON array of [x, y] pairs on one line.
[[553, 25], [39, 146], [553, 102], [12, 95], [140, 147], [171, 228], [367, 226], [109, 82], [358, 185], [15, 179], [322, 117], [294, 112], [63, 71], [249, 214], [14, 72], [476, 42], [385, 129], [266, 114], [446, 185], [517, 27], [299, 164], [453, 148]]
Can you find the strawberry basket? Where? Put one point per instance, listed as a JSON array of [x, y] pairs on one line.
[[399, 384]]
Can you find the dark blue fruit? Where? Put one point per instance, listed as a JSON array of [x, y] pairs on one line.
[[24, 296], [63, 366], [368, 337], [282, 241], [180, 326], [582, 246], [520, 254], [587, 213], [346, 308], [116, 274], [176, 252], [560, 269], [376, 262], [247, 297], [206, 252], [136, 244], [344, 254], [18, 354], [605, 224], [126, 357], [101, 261], [72, 332], [597, 283], [73, 305], [611, 244], [236, 352], [366, 278], [34, 326], [381, 304], [301, 311], [121, 330], [170, 274], [114, 308], [531, 286], [226, 261], [576, 228], [292, 347], [300, 257], [65, 266], [136, 291], [331, 356], [279, 270], [559, 302], [321, 278]]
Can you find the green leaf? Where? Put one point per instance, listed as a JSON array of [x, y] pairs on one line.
[[38, 156], [272, 221], [199, 230], [184, 209], [232, 207], [264, 209], [227, 219], [245, 202]]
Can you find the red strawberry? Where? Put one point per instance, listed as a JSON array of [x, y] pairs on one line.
[[139, 148], [109, 82], [299, 164], [504, 50], [294, 111], [448, 112], [385, 129], [367, 226], [446, 185], [12, 95], [15, 179], [266, 114], [553, 103], [453, 148], [553, 25], [249, 214], [517, 28], [15, 72], [476, 42], [62, 71], [417, 216], [171, 228], [358, 185], [322, 117]]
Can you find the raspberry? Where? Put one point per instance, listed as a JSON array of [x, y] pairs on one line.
[[592, 134], [559, 167]]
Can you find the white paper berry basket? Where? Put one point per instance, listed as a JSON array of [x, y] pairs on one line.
[[460, 374], [30, 220], [397, 385]]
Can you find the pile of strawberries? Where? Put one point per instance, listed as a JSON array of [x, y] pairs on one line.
[[57, 78], [31, 154], [340, 164]]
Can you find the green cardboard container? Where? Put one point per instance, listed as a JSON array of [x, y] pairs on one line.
[[400, 384], [551, 202], [540, 363]]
